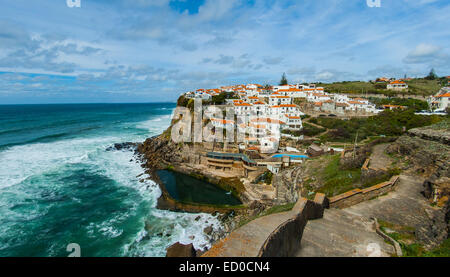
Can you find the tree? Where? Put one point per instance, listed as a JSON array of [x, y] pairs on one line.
[[432, 75], [283, 80]]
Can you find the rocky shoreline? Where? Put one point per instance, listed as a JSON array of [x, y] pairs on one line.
[[158, 153], [229, 217]]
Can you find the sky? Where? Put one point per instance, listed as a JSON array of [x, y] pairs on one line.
[[154, 50]]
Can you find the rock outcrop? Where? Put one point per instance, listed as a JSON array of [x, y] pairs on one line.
[[427, 151], [159, 151], [181, 250]]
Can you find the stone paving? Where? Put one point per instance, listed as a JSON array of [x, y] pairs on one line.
[[341, 234], [247, 240]]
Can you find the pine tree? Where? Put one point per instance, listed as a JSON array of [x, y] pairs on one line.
[[283, 81], [432, 75]]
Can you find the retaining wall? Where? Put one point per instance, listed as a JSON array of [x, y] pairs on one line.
[[285, 240], [356, 196]]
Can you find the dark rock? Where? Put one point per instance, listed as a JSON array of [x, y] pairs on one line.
[[197, 218], [181, 250], [208, 230], [123, 146], [199, 253]]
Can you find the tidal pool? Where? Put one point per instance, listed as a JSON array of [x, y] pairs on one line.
[[185, 188]]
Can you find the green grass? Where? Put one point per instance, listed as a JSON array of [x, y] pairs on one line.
[[355, 87], [308, 130], [388, 123], [336, 180], [272, 210], [405, 236], [381, 179], [415, 87], [416, 105], [278, 209], [423, 87], [441, 251]]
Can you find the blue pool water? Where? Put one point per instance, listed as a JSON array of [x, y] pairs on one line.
[[290, 155]]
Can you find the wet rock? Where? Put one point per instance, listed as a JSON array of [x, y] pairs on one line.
[[208, 230], [197, 218], [181, 250], [123, 146], [199, 253]]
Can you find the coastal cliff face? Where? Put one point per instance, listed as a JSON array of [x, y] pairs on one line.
[[158, 152]]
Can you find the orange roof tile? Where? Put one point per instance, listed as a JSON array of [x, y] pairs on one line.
[[444, 95], [223, 121]]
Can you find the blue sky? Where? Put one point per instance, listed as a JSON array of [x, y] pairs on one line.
[[153, 50]]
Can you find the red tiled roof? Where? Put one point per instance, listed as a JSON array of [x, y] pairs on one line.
[[444, 95]]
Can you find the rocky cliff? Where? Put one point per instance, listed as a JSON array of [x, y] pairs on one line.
[[426, 151]]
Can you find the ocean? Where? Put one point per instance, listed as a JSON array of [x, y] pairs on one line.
[[59, 185]]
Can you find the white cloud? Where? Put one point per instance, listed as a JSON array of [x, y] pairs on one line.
[[428, 54]]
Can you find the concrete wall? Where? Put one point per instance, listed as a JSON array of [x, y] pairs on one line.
[[356, 196], [285, 241], [370, 173]]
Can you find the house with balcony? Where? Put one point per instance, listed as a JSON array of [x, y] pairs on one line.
[[397, 85]]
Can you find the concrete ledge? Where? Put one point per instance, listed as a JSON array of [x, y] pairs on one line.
[[397, 247], [366, 164], [356, 196]]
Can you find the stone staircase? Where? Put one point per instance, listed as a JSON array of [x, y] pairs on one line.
[[342, 234]]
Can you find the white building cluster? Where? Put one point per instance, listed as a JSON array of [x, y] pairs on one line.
[[270, 109]]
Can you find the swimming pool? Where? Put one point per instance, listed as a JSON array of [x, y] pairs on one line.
[[290, 155]]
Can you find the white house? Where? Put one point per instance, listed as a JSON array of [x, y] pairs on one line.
[[260, 108], [279, 100], [440, 102], [318, 97], [252, 99], [397, 85], [293, 122], [222, 123], [272, 125], [289, 109], [242, 108], [269, 144]]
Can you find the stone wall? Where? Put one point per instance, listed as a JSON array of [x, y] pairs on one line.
[[356, 196], [370, 173], [285, 241]]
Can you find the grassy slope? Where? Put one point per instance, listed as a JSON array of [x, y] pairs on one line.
[[387, 123], [405, 236], [335, 180], [416, 87]]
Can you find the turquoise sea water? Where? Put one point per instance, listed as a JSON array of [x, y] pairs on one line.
[[59, 185]]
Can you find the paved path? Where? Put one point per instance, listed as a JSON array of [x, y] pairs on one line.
[[406, 206], [379, 159], [341, 234], [247, 240], [346, 232]]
